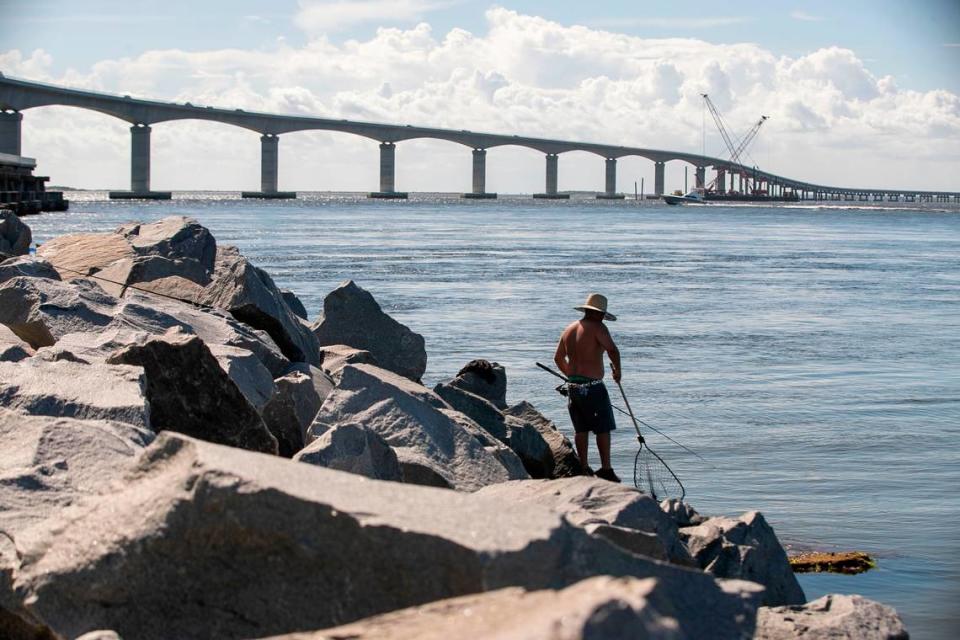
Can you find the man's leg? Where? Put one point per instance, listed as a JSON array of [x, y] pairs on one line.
[[603, 444], [582, 440]]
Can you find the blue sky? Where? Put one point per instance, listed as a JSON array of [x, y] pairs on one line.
[[859, 93], [909, 40]]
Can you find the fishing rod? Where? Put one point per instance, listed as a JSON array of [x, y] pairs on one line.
[[635, 419]]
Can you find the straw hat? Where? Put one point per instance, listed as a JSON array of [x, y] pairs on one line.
[[597, 302]]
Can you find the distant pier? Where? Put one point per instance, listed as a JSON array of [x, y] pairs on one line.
[[24, 192]]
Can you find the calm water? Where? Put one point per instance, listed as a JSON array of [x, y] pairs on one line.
[[811, 355]]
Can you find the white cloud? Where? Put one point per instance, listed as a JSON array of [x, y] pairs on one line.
[[805, 17], [705, 22], [831, 119], [327, 16]]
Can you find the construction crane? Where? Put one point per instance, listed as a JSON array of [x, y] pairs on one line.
[[735, 148]]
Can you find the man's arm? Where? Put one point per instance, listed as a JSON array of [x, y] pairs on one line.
[[603, 337], [560, 357]]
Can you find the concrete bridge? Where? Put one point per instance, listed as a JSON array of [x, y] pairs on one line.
[[16, 96]]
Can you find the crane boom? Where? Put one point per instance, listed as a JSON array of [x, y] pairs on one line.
[[736, 149], [721, 125], [747, 139]]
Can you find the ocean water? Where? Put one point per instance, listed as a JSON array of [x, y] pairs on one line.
[[811, 354]]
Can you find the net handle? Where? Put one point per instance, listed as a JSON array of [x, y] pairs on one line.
[[630, 411]]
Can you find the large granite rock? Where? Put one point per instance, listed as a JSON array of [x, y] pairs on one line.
[[15, 236], [299, 394], [27, 266], [247, 372], [180, 278], [294, 303], [485, 379], [12, 348], [520, 436], [189, 392], [93, 324], [207, 541], [590, 501], [352, 317], [74, 390], [682, 513], [334, 357], [40, 311], [745, 548], [593, 609], [832, 617], [174, 238], [355, 449], [566, 464], [49, 463], [250, 295], [427, 434]]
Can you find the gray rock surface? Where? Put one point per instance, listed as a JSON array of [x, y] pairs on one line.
[[832, 617], [15, 236], [174, 237], [589, 501], [12, 348], [476, 408], [78, 255], [291, 410], [247, 372], [188, 392], [334, 357], [27, 266], [566, 464], [682, 513], [242, 545], [352, 317], [40, 311], [49, 463], [426, 434], [485, 379], [73, 390], [355, 449], [180, 278], [250, 295], [593, 609], [294, 303], [745, 548]]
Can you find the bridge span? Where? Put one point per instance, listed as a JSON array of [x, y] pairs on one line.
[[17, 95]]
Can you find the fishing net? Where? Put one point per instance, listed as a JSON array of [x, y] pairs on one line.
[[652, 475]]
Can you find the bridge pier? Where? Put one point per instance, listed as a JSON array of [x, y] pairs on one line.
[[269, 170], [721, 181], [700, 177], [10, 122], [658, 173], [551, 192], [140, 168], [387, 172], [610, 181], [480, 177]]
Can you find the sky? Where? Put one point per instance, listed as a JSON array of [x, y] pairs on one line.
[[859, 93]]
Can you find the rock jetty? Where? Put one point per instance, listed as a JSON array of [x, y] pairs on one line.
[[187, 456]]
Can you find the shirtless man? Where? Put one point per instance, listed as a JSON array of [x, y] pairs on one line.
[[580, 357]]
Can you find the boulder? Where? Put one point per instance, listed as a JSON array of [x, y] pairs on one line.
[[589, 501], [291, 410], [78, 255], [601, 607], [521, 437], [682, 513], [15, 236], [355, 449], [294, 303], [40, 311], [832, 617], [174, 237], [745, 548], [12, 348], [247, 372], [566, 464], [73, 390], [352, 317], [27, 266], [243, 545], [504, 454], [250, 295], [180, 278], [427, 434], [485, 379], [49, 463], [334, 357], [189, 392]]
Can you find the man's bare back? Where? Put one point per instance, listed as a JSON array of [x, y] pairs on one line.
[[581, 348]]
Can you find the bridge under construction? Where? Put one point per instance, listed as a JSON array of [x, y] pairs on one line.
[[731, 178]]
